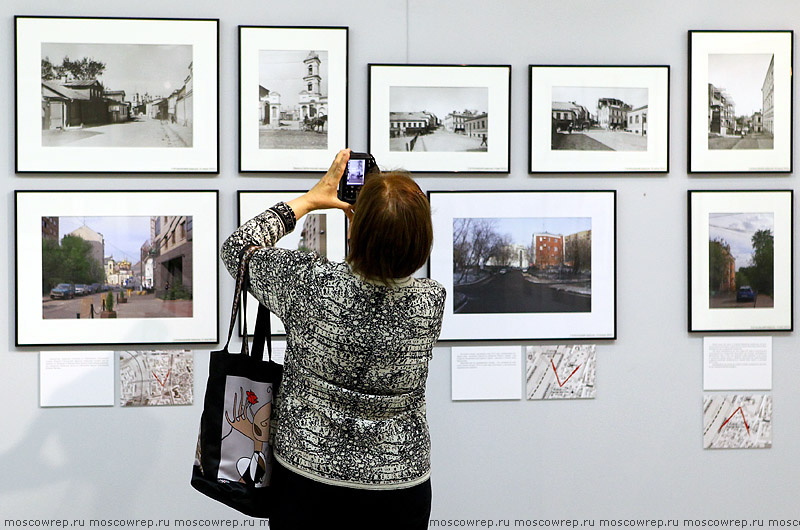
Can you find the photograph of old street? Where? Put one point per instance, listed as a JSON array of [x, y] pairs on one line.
[[441, 119], [599, 119], [522, 265], [117, 95], [117, 267], [741, 106]]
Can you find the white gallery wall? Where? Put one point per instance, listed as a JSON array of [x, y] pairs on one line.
[[635, 451]]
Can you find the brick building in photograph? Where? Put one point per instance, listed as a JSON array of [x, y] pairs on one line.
[[50, 228], [548, 250]]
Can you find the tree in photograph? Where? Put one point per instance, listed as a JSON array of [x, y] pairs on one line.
[[474, 240], [52, 272], [85, 68], [500, 250], [69, 262], [743, 277], [578, 253], [79, 266], [763, 268], [719, 265]]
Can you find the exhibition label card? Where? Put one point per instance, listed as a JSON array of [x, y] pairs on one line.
[[76, 379], [486, 372], [737, 363]]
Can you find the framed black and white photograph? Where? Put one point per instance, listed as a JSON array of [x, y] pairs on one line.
[[740, 101], [292, 97], [526, 265], [740, 260], [440, 118], [322, 232], [116, 267], [116, 95], [599, 119]]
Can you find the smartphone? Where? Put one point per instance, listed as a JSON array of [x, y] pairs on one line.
[[358, 167]]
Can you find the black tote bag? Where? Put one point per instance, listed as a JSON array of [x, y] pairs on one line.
[[233, 463]]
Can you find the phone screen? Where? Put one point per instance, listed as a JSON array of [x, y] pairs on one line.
[[355, 172]]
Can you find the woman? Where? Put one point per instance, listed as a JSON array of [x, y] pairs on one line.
[[351, 438]]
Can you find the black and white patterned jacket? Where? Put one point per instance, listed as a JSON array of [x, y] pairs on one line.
[[351, 408]]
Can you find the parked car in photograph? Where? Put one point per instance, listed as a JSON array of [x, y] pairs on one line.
[[94, 288], [81, 289], [745, 294], [63, 290]]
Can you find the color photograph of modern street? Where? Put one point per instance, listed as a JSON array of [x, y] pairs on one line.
[[741, 260], [522, 265], [117, 267], [117, 95]]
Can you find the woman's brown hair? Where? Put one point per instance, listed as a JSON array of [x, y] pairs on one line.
[[391, 234]]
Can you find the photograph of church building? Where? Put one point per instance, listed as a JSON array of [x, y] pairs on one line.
[[293, 99]]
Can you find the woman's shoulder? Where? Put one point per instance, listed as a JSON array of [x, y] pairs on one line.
[[431, 285]]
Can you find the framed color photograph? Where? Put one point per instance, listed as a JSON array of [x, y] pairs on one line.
[[740, 260], [292, 97], [599, 119], [117, 95], [322, 232], [526, 265], [440, 118], [740, 101], [116, 267]]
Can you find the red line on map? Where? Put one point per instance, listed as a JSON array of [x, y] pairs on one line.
[[734, 414], [560, 384], [165, 378]]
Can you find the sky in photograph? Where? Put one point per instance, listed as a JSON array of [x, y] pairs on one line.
[[737, 230], [282, 71], [135, 68], [521, 229], [742, 76], [123, 236], [439, 100], [588, 96]]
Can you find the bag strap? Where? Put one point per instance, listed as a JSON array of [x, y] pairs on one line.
[[262, 334], [240, 289]]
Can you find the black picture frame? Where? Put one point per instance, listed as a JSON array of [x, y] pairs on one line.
[[141, 133], [470, 150], [195, 225], [765, 138], [726, 223], [568, 305], [283, 142], [620, 108]]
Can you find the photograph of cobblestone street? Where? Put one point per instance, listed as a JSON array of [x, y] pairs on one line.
[[599, 119], [440, 119], [740, 101]]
